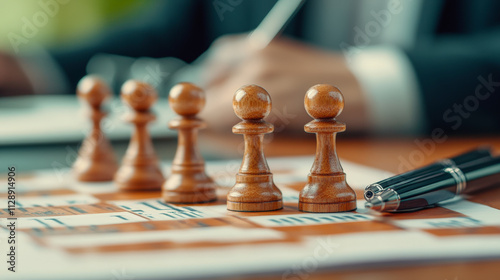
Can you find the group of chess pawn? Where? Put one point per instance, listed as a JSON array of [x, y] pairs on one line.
[[325, 191]]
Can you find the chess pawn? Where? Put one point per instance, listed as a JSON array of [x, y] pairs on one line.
[[254, 189], [326, 189], [188, 182], [96, 161], [139, 170]]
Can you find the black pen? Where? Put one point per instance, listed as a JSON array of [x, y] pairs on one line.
[[442, 186], [476, 155]]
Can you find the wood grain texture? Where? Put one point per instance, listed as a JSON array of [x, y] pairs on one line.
[[96, 161], [139, 170], [326, 189], [254, 189], [188, 182]]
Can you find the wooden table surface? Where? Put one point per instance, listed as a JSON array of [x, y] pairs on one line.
[[394, 155]]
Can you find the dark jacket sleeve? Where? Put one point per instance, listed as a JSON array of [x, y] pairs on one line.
[[459, 77]]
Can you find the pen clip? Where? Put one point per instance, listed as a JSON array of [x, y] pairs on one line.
[[459, 178]]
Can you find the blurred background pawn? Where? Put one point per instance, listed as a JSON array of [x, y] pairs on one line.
[[188, 182], [96, 161], [139, 170]]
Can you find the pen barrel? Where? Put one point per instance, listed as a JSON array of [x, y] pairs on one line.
[[439, 181], [448, 184], [471, 157], [426, 200], [482, 175], [410, 175], [480, 153]]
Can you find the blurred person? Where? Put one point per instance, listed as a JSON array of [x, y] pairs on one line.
[[404, 67]]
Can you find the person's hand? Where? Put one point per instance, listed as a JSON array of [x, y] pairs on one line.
[[286, 69], [13, 80]]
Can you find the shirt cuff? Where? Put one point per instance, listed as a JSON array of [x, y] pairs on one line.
[[391, 89]]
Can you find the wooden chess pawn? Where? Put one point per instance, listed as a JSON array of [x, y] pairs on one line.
[[326, 189], [96, 161], [254, 189], [188, 182], [139, 170]]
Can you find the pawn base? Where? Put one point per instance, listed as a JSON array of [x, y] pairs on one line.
[[327, 194], [189, 197], [88, 171], [139, 178], [96, 162], [189, 185], [254, 193], [327, 207], [255, 206]]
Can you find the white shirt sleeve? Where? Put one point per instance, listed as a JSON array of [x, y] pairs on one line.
[[391, 89]]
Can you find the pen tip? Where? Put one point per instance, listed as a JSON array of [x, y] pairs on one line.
[[374, 204], [368, 194]]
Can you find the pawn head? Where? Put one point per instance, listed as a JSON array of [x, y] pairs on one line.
[[324, 101], [93, 90], [138, 95], [251, 102], [186, 99]]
